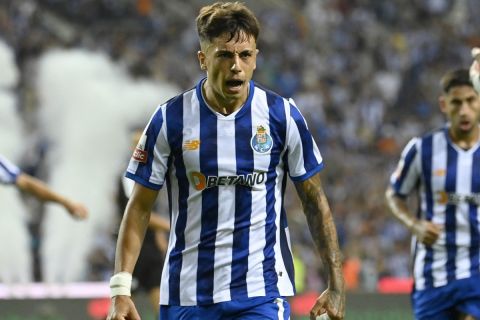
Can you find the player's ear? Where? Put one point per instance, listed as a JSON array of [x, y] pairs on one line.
[[201, 59], [442, 103]]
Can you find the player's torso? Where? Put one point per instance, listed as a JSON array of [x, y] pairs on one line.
[[450, 195], [215, 151], [450, 183], [228, 176]]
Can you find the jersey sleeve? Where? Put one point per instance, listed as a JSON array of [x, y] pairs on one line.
[[149, 162], [304, 158], [8, 171], [407, 173]]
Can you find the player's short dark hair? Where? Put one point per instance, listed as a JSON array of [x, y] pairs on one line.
[[455, 78], [233, 18]]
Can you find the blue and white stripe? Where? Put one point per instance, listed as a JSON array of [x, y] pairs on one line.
[[8, 171], [229, 241], [448, 182]]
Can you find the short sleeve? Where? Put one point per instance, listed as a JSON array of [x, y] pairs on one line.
[[149, 162], [304, 158], [8, 171], [405, 177]]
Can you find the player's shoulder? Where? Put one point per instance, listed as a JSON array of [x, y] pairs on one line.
[[175, 101], [5, 162], [424, 139], [6, 165], [272, 96], [431, 133]]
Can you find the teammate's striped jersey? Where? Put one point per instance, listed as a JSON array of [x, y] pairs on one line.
[[226, 177], [8, 171], [448, 181]]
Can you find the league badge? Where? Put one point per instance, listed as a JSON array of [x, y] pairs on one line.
[[261, 142], [139, 154]]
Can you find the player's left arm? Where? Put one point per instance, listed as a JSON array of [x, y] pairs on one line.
[[43, 192], [322, 227]]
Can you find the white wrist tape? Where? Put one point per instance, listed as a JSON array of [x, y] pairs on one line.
[[120, 284]]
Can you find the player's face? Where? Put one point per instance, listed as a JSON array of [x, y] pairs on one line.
[[229, 64], [461, 105]]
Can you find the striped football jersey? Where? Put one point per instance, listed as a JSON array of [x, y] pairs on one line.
[[226, 178], [8, 171], [447, 179]]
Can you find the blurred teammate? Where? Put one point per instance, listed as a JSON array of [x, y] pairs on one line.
[[11, 174], [148, 270], [443, 167], [475, 69], [224, 149]]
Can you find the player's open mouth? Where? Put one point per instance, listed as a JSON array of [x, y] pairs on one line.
[[234, 84], [465, 124]]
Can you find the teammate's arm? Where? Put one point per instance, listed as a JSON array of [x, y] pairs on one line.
[[132, 231], [158, 223], [475, 69], [43, 192], [425, 231], [324, 234]]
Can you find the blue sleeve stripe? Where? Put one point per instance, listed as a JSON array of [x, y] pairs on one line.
[[143, 182], [308, 174]]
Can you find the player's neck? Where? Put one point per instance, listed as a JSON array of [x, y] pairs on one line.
[[221, 104], [465, 140]]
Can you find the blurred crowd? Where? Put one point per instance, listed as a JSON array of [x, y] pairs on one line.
[[365, 74]]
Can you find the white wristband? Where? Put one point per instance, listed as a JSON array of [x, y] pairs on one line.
[[120, 284]]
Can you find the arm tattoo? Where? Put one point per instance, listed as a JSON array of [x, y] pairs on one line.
[[320, 223]]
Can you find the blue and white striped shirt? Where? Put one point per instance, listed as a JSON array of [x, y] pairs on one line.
[[8, 171], [226, 177], [448, 181]]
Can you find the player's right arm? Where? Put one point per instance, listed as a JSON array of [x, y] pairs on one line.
[[425, 231], [132, 231], [403, 181], [43, 192]]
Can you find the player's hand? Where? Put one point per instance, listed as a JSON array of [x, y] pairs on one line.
[[331, 302], [475, 69], [77, 210], [122, 308], [426, 231]]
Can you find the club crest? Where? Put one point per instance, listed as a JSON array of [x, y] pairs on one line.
[[261, 142]]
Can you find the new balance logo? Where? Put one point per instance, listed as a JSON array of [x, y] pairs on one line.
[[191, 145]]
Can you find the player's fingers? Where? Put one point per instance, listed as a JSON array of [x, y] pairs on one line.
[[80, 212], [319, 306], [115, 316], [134, 314]]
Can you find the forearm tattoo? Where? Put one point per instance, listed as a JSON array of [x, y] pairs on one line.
[[320, 222]]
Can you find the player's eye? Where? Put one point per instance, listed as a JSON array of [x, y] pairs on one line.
[[224, 54], [245, 54], [456, 103]]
